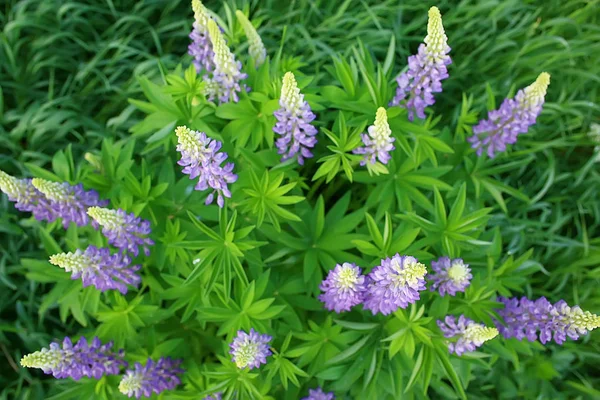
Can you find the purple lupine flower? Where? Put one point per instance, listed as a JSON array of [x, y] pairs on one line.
[[394, 284], [426, 70], [378, 143], [153, 377], [201, 158], [294, 123], [318, 394], [344, 288], [27, 198], [250, 349], [225, 82], [201, 47], [514, 117], [214, 396], [543, 320], [99, 268], [69, 202], [450, 276], [464, 334], [124, 231], [92, 360]]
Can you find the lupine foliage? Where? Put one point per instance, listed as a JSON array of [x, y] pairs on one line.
[[240, 299]]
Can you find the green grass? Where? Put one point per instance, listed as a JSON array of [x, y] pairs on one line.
[[67, 69]]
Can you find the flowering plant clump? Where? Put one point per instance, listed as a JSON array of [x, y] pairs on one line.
[[263, 222]]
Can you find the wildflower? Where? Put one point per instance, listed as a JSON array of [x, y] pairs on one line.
[[153, 377], [215, 396], [201, 47], [26, 197], [378, 143], [318, 394], [450, 276], [426, 70], [294, 117], [256, 48], [69, 202], [394, 284], [99, 268], [465, 335], [344, 288], [250, 350], [92, 360], [543, 320], [124, 231], [514, 117], [225, 82], [201, 158]]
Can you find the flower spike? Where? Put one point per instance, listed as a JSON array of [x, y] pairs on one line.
[[201, 47], [426, 70], [201, 158], [378, 143], [256, 48], [394, 284], [99, 268], [513, 118], [464, 334], [92, 360], [294, 123], [225, 82]]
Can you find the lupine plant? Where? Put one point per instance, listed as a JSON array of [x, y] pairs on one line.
[[350, 253]]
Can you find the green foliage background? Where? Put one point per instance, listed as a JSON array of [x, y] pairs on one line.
[[68, 68]]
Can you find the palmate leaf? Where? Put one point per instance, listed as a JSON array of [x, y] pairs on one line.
[[405, 187], [265, 197], [454, 231], [394, 240], [320, 344], [248, 312], [319, 239], [121, 321], [251, 120], [483, 175], [344, 142], [221, 252]]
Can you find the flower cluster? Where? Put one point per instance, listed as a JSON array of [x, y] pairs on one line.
[[69, 202], [465, 335], [450, 276], [224, 84], [201, 48], [250, 349], [92, 360], [26, 197], [514, 117], [201, 158], [99, 268], [426, 70], [394, 284], [256, 48], [48, 201], [124, 231], [318, 394], [378, 143], [294, 123], [344, 288], [543, 320], [153, 377]]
